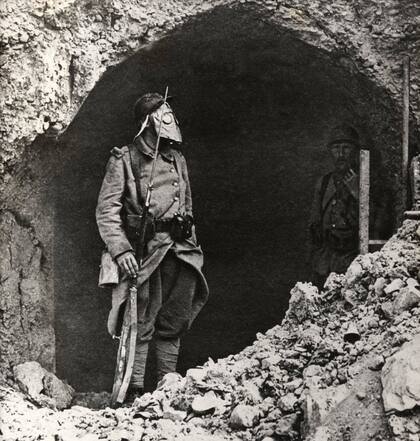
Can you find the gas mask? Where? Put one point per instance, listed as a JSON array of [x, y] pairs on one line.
[[169, 128]]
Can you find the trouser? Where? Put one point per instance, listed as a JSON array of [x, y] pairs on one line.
[[326, 260], [164, 316]]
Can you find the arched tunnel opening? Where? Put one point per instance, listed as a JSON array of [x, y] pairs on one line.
[[255, 106]]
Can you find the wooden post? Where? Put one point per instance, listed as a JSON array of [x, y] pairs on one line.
[[405, 129], [364, 189]]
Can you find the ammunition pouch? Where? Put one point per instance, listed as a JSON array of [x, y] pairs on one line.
[[181, 227]]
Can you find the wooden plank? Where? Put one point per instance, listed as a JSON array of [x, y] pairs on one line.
[[405, 129], [377, 242], [412, 214], [364, 189]]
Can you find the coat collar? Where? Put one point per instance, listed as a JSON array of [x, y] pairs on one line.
[[148, 149]]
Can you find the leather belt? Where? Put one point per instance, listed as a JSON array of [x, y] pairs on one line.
[[163, 225]]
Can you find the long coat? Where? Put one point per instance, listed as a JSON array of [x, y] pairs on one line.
[[324, 217], [119, 200]]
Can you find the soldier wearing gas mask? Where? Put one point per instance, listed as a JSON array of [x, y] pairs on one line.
[[171, 274]]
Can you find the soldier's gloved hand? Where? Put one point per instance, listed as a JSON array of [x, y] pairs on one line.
[[351, 180], [127, 262]]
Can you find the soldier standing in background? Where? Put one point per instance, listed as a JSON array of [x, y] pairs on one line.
[[170, 277], [334, 220]]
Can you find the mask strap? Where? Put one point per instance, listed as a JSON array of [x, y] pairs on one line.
[[143, 126]]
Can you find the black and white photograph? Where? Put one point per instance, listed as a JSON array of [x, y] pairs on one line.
[[210, 220]]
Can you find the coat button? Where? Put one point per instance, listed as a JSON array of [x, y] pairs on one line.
[[176, 198], [172, 170], [175, 183]]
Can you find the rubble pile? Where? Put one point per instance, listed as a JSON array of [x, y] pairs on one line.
[[343, 365]]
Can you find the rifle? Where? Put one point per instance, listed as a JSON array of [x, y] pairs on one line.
[[125, 356]]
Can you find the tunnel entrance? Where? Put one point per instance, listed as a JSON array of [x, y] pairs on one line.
[[255, 105]]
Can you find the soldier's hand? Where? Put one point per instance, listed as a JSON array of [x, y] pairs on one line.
[[351, 180], [127, 262]]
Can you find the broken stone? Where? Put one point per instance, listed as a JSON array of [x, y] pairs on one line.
[[196, 374], [312, 370], [311, 336], [401, 378], [351, 296], [395, 285], [42, 386], [273, 360], [412, 427], [244, 416], [252, 391], [333, 286], [379, 286], [148, 405], [174, 415], [204, 404], [120, 435], [361, 395], [354, 273], [388, 310], [291, 386], [197, 421], [397, 425], [321, 434], [303, 302], [406, 299], [287, 402], [412, 283], [29, 377], [60, 392], [168, 427], [143, 401], [169, 379], [376, 362]]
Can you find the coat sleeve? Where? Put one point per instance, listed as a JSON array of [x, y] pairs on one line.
[[108, 209], [188, 197]]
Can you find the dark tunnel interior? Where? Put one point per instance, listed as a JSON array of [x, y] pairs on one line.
[[255, 106]]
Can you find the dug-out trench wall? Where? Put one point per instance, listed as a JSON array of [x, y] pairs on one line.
[[255, 106]]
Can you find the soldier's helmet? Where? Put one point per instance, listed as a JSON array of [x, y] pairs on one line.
[[344, 134], [147, 104]]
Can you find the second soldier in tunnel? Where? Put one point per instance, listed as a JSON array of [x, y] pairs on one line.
[[171, 275], [334, 219]]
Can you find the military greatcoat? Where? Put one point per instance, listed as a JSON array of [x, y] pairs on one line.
[[119, 201], [334, 227]]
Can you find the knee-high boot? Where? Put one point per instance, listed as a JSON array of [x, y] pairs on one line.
[[166, 356]]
